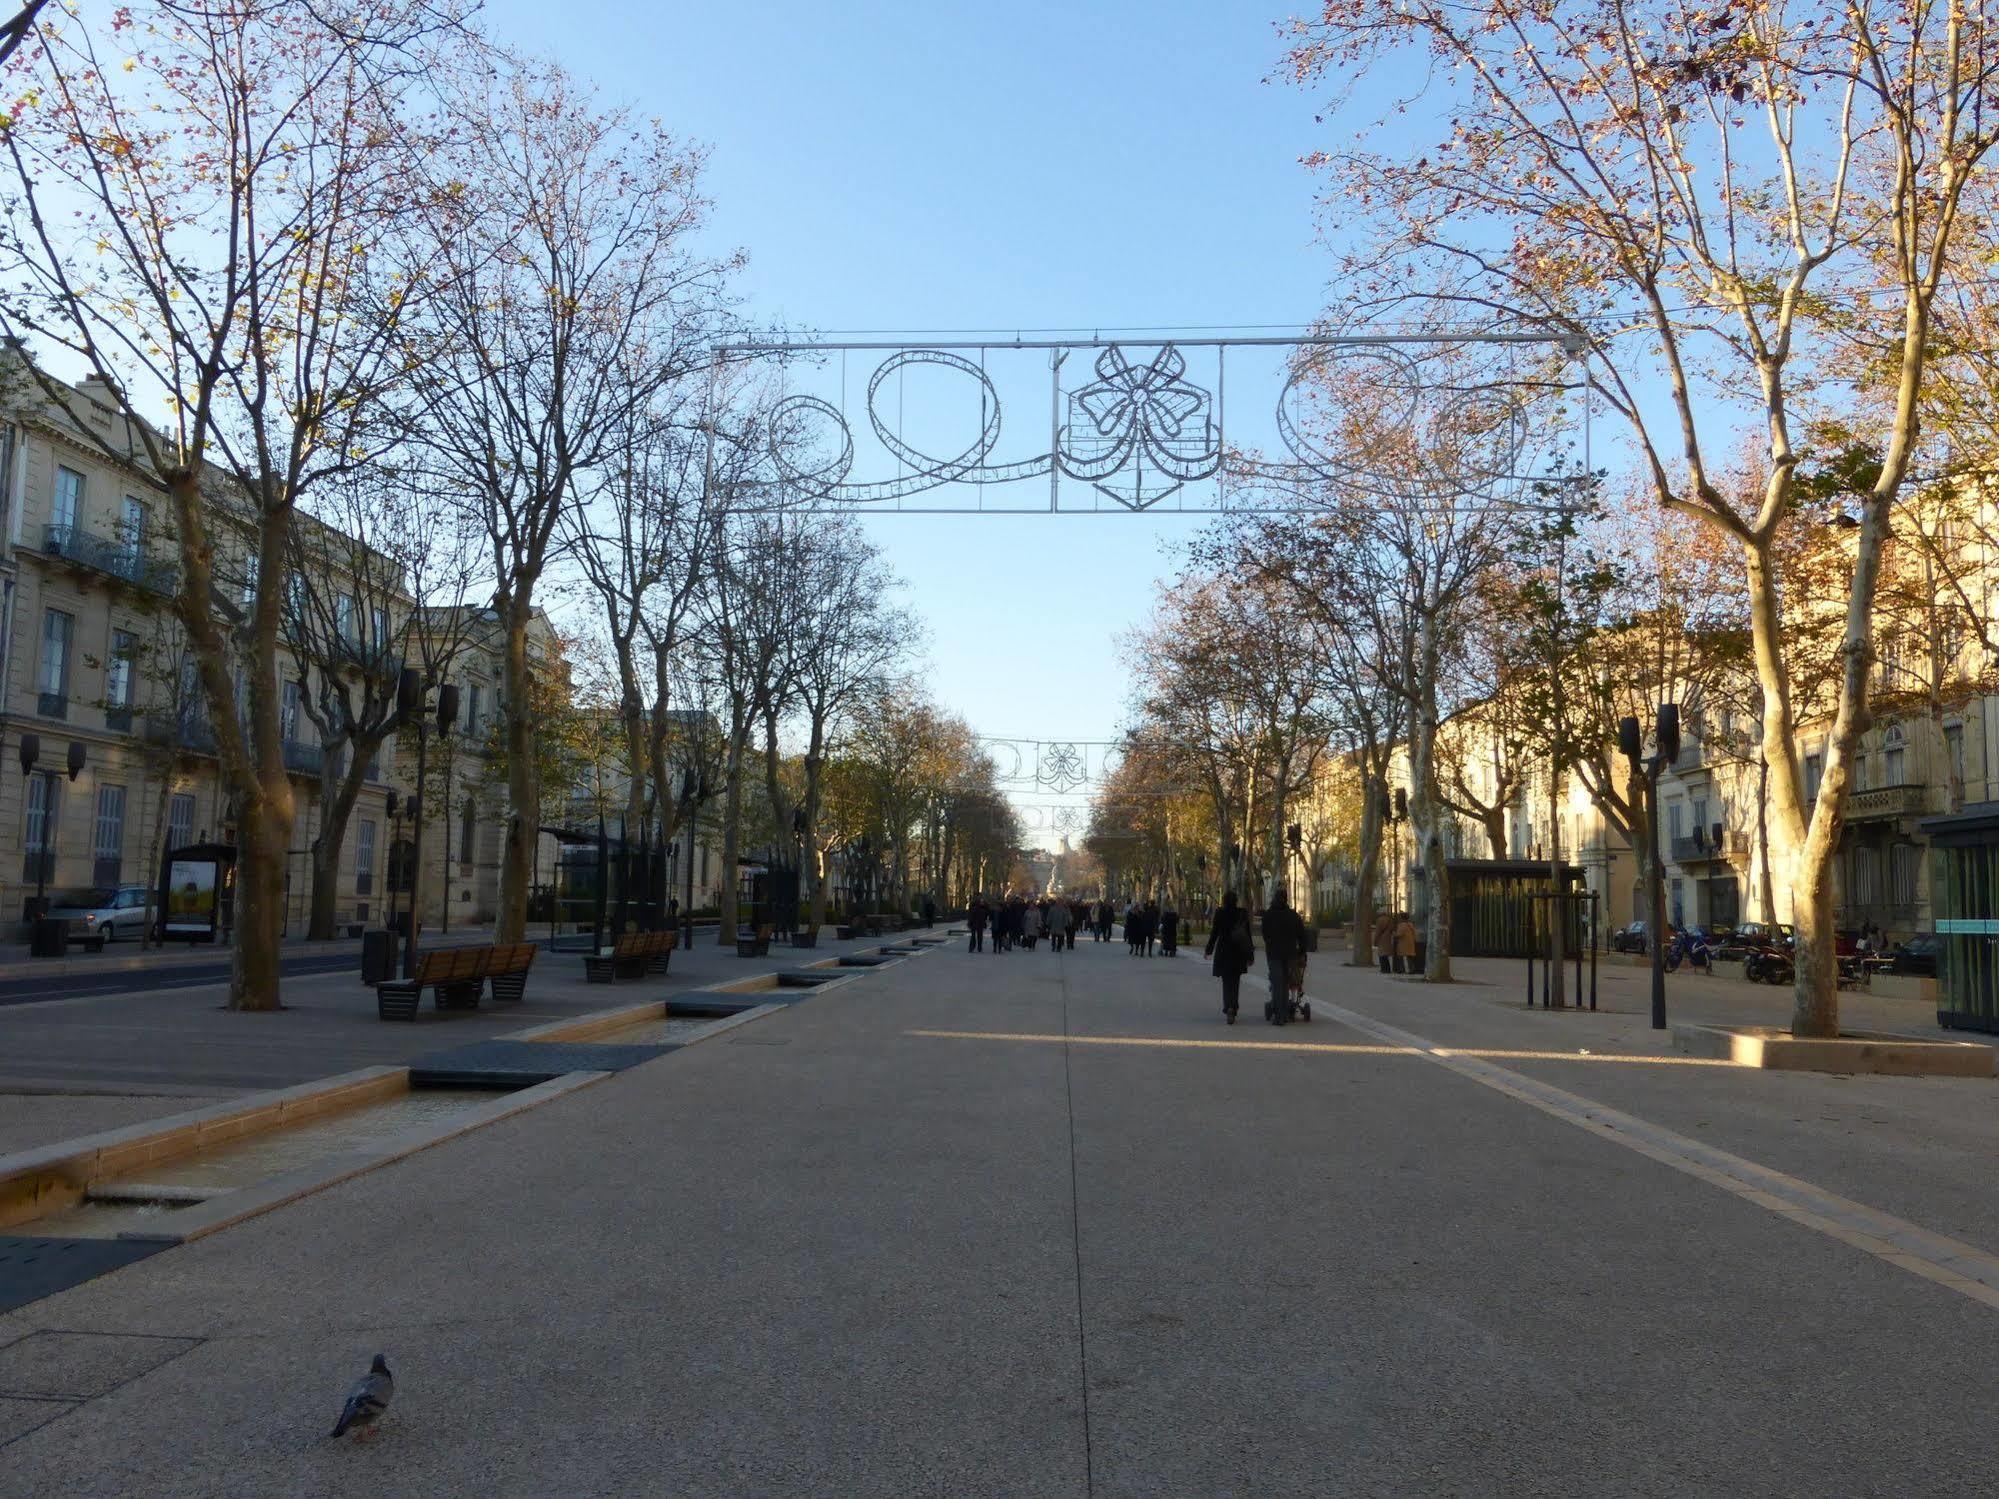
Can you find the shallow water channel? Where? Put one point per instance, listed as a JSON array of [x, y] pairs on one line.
[[126, 1204], [655, 1032]]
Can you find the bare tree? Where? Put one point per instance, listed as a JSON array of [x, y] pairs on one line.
[[1727, 214], [198, 203], [381, 579], [573, 298]]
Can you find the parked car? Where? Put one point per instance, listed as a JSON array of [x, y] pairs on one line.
[[110, 913], [1628, 938], [1918, 956]]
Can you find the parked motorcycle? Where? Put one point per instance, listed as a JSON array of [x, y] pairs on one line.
[[1688, 947], [1768, 965]]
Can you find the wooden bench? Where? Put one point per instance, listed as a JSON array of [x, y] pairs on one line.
[[807, 938], [753, 944], [455, 975], [508, 969], [633, 955]]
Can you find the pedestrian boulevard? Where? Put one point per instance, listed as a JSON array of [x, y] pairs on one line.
[[1040, 1224]]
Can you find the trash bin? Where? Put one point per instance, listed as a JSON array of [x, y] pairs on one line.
[[50, 938], [378, 957]]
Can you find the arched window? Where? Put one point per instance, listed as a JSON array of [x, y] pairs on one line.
[[1894, 756]]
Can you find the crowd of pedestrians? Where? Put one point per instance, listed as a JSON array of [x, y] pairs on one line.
[[1010, 921]]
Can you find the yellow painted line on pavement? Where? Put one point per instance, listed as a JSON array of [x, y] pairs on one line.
[[1340, 1047]]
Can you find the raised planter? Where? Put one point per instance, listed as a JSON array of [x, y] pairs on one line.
[[1904, 986], [1771, 1047]]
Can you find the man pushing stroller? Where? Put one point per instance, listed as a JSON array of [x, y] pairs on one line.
[[1284, 952]]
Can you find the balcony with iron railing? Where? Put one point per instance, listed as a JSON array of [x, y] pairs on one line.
[[195, 735], [370, 660], [1878, 803], [304, 759], [1700, 846], [118, 557]]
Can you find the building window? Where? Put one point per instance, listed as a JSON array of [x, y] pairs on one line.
[[180, 819], [108, 848], [187, 712], [118, 679], [472, 711], [1903, 859], [1700, 817], [68, 500], [364, 857], [39, 837], [1814, 773], [468, 830], [250, 564], [288, 713], [1894, 759], [53, 682], [1953, 742], [402, 864], [1676, 818], [135, 525], [345, 616], [378, 623]]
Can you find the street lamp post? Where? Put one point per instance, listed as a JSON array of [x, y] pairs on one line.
[[31, 753], [410, 690], [1398, 814], [1666, 749], [798, 867], [693, 789], [395, 816]]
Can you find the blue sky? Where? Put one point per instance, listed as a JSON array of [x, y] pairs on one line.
[[896, 165]]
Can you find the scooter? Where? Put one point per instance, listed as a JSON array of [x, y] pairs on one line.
[[1692, 951], [1768, 965]]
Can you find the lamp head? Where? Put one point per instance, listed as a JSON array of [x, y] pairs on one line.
[[1668, 732], [1630, 742]]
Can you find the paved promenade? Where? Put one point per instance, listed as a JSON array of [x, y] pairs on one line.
[[1042, 1225]]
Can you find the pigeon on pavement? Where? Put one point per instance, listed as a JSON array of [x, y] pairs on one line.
[[368, 1399]]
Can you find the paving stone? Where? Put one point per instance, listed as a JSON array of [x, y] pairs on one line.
[[82, 1365], [19, 1417]]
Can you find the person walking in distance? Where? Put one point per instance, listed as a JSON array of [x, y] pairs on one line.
[[1169, 929], [1283, 943], [976, 918], [1233, 949], [1405, 944], [1384, 938], [1058, 925]]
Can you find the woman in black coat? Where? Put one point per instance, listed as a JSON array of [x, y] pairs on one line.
[[1233, 948]]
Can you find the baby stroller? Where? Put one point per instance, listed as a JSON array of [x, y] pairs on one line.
[[1296, 1006]]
